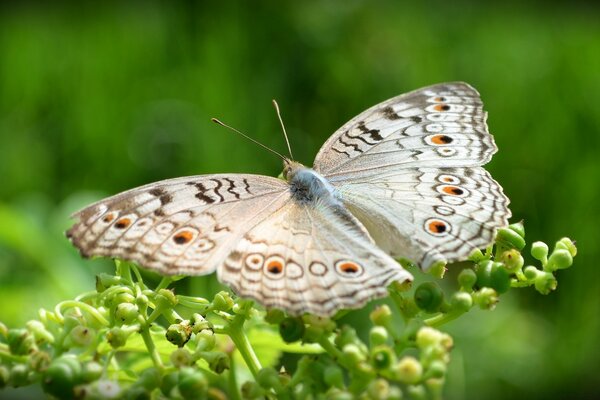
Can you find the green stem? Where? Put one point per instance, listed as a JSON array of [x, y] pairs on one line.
[[334, 352], [84, 306], [235, 330], [234, 391], [145, 332], [164, 283], [443, 318], [124, 271]]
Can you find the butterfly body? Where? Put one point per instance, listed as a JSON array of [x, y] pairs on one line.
[[402, 179]]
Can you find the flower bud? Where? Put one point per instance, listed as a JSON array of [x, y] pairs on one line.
[[559, 259], [39, 331], [165, 299], [149, 379], [222, 301], [427, 337], [408, 370], [531, 272], [274, 316], [199, 323], [486, 298], [467, 279], [436, 369], [63, 374], [126, 313], [461, 301], [499, 278], [513, 260], [205, 340], [91, 371], [39, 361], [510, 238], [20, 342], [19, 375], [417, 392], [545, 282], [429, 297], [117, 337], [333, 376], [539, 251], [291, 329], [379, 389], [353, 353], [518, 228], [82, 336], [382, 357], [338, 394], [168, 384], [438, 269], [179, 334], [567, 244], [268, 378], [192, 384], [378, 336], [104, 281], [181, 358], [108, 389], [401, 286], [252, 390], [217, 360], [381, 315], [476, 256]]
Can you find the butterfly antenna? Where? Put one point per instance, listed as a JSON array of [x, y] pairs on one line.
[[216, 121], [283, 127]]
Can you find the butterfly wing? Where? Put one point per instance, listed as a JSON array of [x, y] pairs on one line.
[[313, 258], [178, 226], [409, 170]]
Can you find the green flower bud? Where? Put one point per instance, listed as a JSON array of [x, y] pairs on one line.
[[381, 315], [333, 376], [39, 331], [39, 361], [104, 281], [408, 370], [168, 384], [401, 286], [428, 337], [438, 269], [291, 329], [539, 251], [274, 316], [91, 371], [378, 336], [484, 273], [530, 272], [4, 376], [268, 378], [518, 228], [19, 375], [108, 389], [353, 353], [165, 299], [447, 342], [252, 390], [476, 256], [20, 342], [559, 259], [513, 260], [337, 394], [199, 323], [312, 334], [205, 340], [379, 389], [222, 301], [545, 282], [461, 301], [82, 336], [436, 369], [149, 379], [499, 278], [181, 358], [134, 392], [510, 238], [192, 384], [429, 297], [486, 298], [126, 313], [395, 393], [417, 392], [217, 360], [348, 335], [322, 322], [467, 279], [567, 244], [63, 374], [382, 357], [117, 337]]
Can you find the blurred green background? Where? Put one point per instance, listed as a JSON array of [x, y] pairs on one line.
[[96, 100]]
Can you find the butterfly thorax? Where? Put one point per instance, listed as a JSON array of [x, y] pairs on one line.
[[307, 185]]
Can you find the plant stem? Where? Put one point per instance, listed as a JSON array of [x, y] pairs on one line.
[[145, 332], [239, 338], [443, 318]]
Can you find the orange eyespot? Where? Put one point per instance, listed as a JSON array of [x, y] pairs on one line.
[[448, 179], [123, 223], [441, 139], [453, 190], [183, 237], [439, 99], [275, 267], [108, 218], [349, 267], [255, 260], [441, 107], [437, 226]]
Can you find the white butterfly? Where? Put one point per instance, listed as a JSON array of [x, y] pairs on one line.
[[402, 179]]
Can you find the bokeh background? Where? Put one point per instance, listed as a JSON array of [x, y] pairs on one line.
[[96, 100]]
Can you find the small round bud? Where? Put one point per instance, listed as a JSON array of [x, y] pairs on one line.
[[353, 353], [291, 329], [483, 271], [217, 360], [461, 301], [312, 334], [513, 260], [408, 370], [531, 272], [510, 238], [518, 228], [117, 337], [268, 378], [19, 375], [82, 335], [467, 279], [427, 337], [338, 394], [252, 390], [539, 251], [63, 374], [126, 313], [192, 384], [39, 361], [378, 335], [382, 357], [559, 259], [205, 340], [179, 334], [39, 331], [199, 323], [476, 256], [545, 282], [222, 301], [382, 315], [417, 392], [165, 298], [108, 389], [437, 369], [499, 278], [486, 298], [20, 342], [567, 244], [401, 286], [181, 358], [447, 342], [91, 371], [438, 269], [429, 297], [149, 379], [168, 384], [333, 376], [274, 316], [379, 389]]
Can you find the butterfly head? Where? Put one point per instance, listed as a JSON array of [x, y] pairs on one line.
[[291, 168]]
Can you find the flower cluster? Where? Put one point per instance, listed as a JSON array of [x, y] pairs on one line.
[[126, 340]]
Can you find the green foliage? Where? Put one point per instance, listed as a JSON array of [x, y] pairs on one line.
[[126, 339]]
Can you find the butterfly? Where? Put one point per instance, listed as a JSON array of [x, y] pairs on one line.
[[403, 179]]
